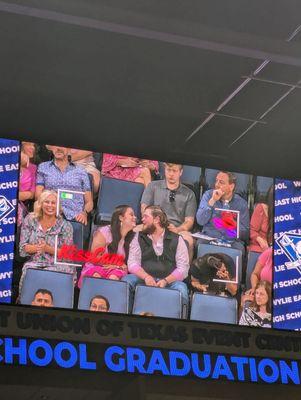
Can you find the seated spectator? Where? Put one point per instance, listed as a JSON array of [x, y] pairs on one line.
[[261, 225], [129, 168], [99, 304], [115, 239], [259, 312], [27, 179], [263, 270], [223, 197], [60, 173], [175, 199], [38, 234], [42, 298], [207, 269], [85, 159], [157, 257]]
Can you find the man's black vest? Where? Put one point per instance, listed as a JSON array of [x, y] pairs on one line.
[[159, 266]]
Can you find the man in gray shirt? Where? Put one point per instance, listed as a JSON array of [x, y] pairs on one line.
[[176, 199]]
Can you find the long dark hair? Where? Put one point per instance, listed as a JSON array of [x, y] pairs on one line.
[[115, 231], [269, 201], [204, 268]]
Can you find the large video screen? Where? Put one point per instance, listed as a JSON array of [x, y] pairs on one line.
[[112, 233]]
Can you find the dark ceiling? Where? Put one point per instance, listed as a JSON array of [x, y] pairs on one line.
[[207, 82]]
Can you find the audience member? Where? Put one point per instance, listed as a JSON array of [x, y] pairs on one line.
[[158, 257], [115, 239], [223, 197], [261, 225], [85, 159], [213, 273], [60, 173], [27, 179], [259, 312], [263, 270], [147, 314], [129, 168], [176, 200], [38, 235], [99, 304], [42, 298]]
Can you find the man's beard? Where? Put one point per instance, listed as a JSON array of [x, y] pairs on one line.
[[149, 230]]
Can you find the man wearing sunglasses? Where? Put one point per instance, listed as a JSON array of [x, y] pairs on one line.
[[176, 199]]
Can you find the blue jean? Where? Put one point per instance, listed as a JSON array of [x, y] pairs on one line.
[[133, 281]]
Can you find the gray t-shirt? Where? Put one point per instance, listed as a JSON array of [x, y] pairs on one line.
[[184, 204]]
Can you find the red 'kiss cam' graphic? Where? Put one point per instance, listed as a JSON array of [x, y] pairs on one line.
[[98, 256]]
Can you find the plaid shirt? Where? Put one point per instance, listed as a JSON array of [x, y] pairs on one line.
[[72, 178]]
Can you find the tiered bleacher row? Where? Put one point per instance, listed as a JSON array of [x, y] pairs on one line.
[[97, 210]]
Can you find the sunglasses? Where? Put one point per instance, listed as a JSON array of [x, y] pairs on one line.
[[172, 196]]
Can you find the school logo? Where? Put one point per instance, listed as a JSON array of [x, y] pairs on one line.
[[6, 207], [290, 243]]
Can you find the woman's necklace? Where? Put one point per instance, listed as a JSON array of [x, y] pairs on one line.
[[47, 224]]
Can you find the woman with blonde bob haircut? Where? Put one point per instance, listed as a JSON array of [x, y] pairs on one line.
[[38, 205], [38, 235]]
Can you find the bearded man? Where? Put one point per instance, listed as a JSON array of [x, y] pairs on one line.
[[157, 256]]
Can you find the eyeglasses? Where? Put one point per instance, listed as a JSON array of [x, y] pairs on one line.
[[172, 196]]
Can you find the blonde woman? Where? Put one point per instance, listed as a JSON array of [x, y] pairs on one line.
[[38, 233]]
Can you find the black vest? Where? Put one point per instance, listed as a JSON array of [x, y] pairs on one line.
[[159, 266]]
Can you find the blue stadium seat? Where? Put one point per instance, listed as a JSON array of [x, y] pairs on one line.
[[252, 259], [60, 284], [112, 193], [116, 292], [161, 169], [234, 253], [78, 234], [91, 181], [262, 185], [205, 307], [191, 175], [98, 160], [242, 182], [160, 302]]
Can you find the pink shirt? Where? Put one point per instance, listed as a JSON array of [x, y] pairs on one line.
[[258, 227], [182, 259], [266, 259], [28, 178], [106, 232]]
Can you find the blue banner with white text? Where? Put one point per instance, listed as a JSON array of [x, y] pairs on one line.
[[9, 174], [287, 255]]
